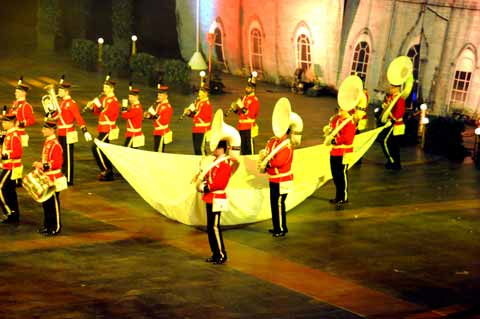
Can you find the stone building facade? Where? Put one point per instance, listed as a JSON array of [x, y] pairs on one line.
[[334, 38]]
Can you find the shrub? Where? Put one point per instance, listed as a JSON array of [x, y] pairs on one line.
[[177, 73], [115, 59], [84, 54], [443, 136], [144, 67]]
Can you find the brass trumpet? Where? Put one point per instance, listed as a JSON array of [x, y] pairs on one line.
[[90, 103], [188, 111], [234, 107]]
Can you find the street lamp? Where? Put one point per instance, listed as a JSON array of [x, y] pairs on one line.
[[476, 147], [100, 50], [134, 45], [423, 121], [211, 42], [197, 62]]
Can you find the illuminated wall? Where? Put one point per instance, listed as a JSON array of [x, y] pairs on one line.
[[446, 34]]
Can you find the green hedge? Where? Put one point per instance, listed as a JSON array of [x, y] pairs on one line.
[[144, 68], [115, 59], [177, 73], [84, 54]]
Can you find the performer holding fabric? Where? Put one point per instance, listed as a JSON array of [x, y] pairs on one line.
[[22, 110], [247, 108], [66, 115], [213, 181], [340, 134], [399, 73], [161, 114], [276, 160], [51, 164], [134, 115], [201, 112], [11, 169], [107, 108]]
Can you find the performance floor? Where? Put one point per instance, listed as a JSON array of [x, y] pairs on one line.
[[407, 246]]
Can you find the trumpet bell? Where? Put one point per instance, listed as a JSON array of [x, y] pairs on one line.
[[399, 70], [281, 117], [350, 92], [222, 131]]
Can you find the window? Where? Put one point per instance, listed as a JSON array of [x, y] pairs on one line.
[[256, 50], [304, 59], [414, 55], [218, 47], [461, 82], [360, 60]]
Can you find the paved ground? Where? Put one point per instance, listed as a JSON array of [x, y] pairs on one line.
[[406, 247]]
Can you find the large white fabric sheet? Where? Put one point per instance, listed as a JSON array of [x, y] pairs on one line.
[[164, 180]]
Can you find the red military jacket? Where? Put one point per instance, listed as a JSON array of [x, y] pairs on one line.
[[24, 112], [134, 117], [279, 168], [217, 180], [107, 113], [68, 114], [344, 140], [249, 112], [398, 110], [202, 117], [12, 146], [52, 154], [164, 114]]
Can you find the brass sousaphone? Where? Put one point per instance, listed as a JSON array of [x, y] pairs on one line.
[[283, 119], [350, 94], [400, 72]]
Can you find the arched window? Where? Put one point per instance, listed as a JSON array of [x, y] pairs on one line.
[[256, 50], [219, 46], [360, 60], [462, 78], [414, 54], [304, 59]]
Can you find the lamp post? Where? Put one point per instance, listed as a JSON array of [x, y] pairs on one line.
[[100, 50], [211, 42], [423, 121], [197, 62], [476, 146], [134, 45]]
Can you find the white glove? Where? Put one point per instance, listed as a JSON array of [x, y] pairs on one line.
[[240, 104], [201, 186], [87, 136], [191, 107], [151, 110], [96, 101]]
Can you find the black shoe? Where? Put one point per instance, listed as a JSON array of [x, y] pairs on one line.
[[211, 259], [43, 230], [220, 260], [342, 202], [333, 201], [105, 177], [279, 234], [51, 233]]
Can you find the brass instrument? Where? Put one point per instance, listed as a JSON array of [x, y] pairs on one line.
[[49, 100], [188, 111], [283, 119], [350, 94], [90, 103], [400, 72], [234, 106]]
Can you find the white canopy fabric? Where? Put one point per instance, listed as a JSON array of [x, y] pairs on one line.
[[164, 180]]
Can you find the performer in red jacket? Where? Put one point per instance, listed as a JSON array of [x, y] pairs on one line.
[[134, 115], [11, 169], [107, 108], [247, 108], [342, 144], [161, 114], [213, 188], [51, 164], [22, 110], [67, 135]]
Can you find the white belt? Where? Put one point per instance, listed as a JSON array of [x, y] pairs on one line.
[[201, 124], [134, 130], [246, 121], [66, 126], [161, 127], [343, 146], [219, 192], [281, 175], [106, 122], [53, 172]]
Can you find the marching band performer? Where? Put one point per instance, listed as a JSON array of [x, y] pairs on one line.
[[213, 181], [107, 108], [201, 112], [390, 137], [134, 116], [66, 117], [400, 77], [11, 169], [161, 114], [340, 135], [51, 164], [22, 110], [247, 108], [276, 159]]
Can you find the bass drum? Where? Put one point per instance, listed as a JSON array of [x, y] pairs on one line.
[[38, 185]]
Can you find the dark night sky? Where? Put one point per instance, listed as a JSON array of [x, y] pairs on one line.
[[154, 24]]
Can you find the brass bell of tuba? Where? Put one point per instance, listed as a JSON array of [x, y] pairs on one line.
[[49, 100], [399, 72], [222, 131]]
